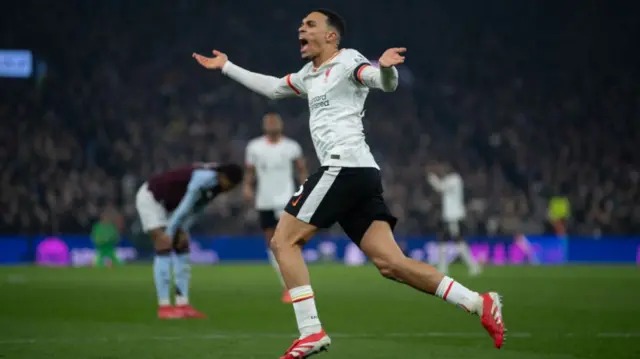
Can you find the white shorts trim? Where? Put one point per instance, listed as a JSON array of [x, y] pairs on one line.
[[152, 214], [318, 192]]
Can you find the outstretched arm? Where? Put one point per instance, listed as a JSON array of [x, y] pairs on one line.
[[442, 185], [269, 86], [435, 182], [385, 78]]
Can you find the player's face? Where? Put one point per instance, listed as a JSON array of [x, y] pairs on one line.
[[314, 34], [272, 125]]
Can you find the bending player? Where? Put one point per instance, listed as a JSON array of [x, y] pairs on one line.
[[182, 193], [269, 162], [449, 184], [347, 188]]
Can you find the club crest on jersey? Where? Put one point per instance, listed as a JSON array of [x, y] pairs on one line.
[[326, 75]]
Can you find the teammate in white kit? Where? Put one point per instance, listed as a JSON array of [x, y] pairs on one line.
[[347, 188], [270, 161], [450, 185]]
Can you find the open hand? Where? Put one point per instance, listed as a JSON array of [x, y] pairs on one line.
[[212, 63], [392, 57]]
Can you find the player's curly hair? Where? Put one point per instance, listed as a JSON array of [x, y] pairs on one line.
[[232, 171]]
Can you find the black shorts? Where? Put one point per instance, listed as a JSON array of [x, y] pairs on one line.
[[351, 196], [452, 230], [268, 219]]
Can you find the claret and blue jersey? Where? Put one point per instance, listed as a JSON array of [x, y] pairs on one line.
[[185, 192]]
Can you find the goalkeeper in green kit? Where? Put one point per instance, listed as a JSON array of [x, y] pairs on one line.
[[105, 235]]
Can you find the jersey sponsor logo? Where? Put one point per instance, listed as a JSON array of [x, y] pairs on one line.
[[281, 164], [319, 102]]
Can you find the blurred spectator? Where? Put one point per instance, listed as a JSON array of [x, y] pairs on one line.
[[520, 108]]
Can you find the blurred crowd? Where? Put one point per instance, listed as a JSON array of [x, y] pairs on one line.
[[521, 113]]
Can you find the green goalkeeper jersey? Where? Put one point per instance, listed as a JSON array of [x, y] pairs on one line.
[[105, 234]]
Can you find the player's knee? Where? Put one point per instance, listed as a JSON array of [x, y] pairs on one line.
[[161, 242], [276, 243], [163, 251], [181, 248], [268, 235], [162, 247]]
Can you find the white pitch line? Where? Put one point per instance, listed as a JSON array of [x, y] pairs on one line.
[[235, 336], [618, 335]]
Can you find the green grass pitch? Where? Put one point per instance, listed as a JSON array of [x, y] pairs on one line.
[[91, 313]]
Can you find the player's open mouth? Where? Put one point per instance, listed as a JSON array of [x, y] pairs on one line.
[[304, 44]]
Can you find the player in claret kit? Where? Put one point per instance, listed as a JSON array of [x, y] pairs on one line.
[[347, 188], [168, 204]]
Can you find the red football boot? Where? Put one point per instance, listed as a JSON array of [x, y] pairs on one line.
[[168, 312], [491, 317], [308, 346], [187, 311]]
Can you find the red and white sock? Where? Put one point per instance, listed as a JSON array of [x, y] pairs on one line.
[[304, 306], [459, 295], [181, 300]]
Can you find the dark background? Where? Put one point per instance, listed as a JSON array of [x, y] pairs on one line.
[[528, 99]]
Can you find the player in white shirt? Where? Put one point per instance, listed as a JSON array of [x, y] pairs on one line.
[[450, 185], [347, 189], [270, 161]]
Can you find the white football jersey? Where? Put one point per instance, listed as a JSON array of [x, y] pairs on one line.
[[336, 108], [336, 92], [274, 166], [452, 189]]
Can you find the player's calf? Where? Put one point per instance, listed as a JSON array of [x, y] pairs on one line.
[[286, 245], [181, 269], [162, 273], [268, 234], [381, 248], [182, 275], [379, 245], [162, 280]]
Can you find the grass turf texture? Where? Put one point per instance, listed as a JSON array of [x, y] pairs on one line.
[[551, 312]]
